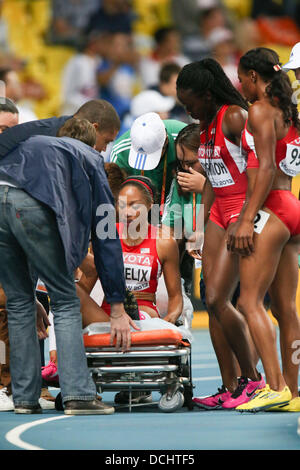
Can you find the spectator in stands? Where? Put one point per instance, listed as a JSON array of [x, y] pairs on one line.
[[147, 101], [186, 17], [7, 56], [79, 78], [248, 34], [69, 20], [113, 16], [117, 74], [197, 46], [167, 87], [167, 48], [224, 51], [294, 61], [13, 90], [268, 8]]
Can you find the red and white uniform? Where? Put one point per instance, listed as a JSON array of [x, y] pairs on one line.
[[287, 155], [225, 167], [142, 266]]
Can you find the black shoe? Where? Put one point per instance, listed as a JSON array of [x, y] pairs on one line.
[[91, 407], [122, 398], [28, 409]]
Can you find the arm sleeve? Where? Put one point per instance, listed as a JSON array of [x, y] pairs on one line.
[[12, 137], [105, 240], [120, 151]]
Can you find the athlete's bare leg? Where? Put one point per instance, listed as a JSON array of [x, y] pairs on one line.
[[91, 312], [283, 294], [228, 364], [153, 313], [257, 273], [230, 336]]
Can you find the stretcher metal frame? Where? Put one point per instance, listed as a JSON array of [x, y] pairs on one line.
[[162, 368]]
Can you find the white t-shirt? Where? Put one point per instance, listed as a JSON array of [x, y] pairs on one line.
[[79, 82]]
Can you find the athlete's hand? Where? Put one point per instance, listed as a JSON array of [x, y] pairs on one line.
[[242, 240], [194, 245], [172, 317], [196, 254], [192, 181], [120, 324], [230, 235]]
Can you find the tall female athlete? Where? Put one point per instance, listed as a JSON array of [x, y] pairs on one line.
[[209, 96], [269, 240]]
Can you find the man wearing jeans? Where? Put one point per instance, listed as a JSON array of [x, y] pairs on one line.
[[50, 194]]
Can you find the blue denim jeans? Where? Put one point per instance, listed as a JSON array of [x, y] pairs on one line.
[[29, 237]]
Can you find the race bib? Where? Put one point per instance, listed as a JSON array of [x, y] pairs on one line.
[[290, 165], [137, 270], [260, 221], [214, 166]]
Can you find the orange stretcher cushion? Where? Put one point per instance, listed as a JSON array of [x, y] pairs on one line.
[[138, 338]]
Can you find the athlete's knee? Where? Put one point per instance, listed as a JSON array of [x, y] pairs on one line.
[[244, 304], [248, 304], [214, 301], [284, 310]]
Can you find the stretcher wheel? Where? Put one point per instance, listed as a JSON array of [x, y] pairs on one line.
[[169, 404], [59, 403]]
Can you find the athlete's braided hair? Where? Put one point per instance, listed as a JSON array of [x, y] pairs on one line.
[[279, 90], [207, 74]]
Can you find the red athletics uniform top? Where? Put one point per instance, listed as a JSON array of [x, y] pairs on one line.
[[142, 266], [287, 153], [222, 160]]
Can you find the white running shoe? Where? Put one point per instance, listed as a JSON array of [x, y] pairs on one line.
[[6, 401], [46, 404]]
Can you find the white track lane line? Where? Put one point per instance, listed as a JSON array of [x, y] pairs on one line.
[[13, 436], [205, 379]]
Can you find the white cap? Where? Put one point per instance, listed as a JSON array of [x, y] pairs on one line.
[[148, 135], [294, 60], [151, 101]]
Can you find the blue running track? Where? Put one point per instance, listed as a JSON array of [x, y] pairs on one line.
[[150, 429]]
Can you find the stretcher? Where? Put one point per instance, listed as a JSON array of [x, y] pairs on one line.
[[158, 360]]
